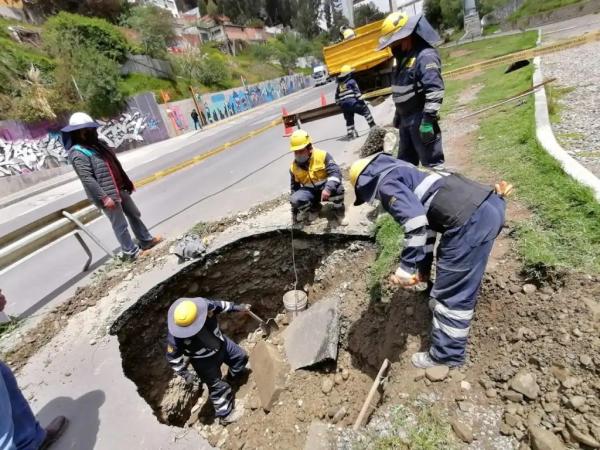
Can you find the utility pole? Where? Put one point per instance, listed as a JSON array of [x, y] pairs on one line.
[[393, 6]]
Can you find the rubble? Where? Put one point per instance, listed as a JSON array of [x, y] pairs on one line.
[[462, 430], [437, 373], [313, 335], [269, 373], [318, 438], [525, 383], [542, 439]]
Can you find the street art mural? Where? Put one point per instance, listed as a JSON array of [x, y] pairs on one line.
[[220, 105], [25, 149]]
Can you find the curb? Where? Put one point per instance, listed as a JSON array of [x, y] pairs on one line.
[[547, 140]]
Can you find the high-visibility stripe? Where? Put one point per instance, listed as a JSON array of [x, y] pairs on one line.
[[429, 106], [416, 241], [456, 314], [453, 332], [403, 98], [336, 179], [434, 95], [429, 248], [402, 89], [414, 223], [176, 360], [426, 184], [178, 367]]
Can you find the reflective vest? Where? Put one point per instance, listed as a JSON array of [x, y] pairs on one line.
[[316, 175]]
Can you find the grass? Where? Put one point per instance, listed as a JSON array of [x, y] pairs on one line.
[[564, 232], [389, 237], [135, 83], [532, 7], [490, 29], [553, 95], [9, 327], [426, 430], [463, 55]]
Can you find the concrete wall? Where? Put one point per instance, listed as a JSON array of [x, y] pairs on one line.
[[557, 15]]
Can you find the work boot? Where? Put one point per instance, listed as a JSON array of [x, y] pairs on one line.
[[54, 431], [312, 216], [235, 415], [153, 243], [340, 214], [423, 360]]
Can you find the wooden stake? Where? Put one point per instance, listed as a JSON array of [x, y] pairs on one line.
[[365, 407]]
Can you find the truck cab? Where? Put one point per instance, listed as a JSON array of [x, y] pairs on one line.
[[320, 75]]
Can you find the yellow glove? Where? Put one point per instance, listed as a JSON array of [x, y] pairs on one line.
[[503, 189]]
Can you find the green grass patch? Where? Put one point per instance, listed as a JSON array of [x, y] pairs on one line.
[[472, 52], [490, 29], [425, 430], [137, 83], [9, 327], [554, 94], [565, 230], [389, 238], [532, 7]]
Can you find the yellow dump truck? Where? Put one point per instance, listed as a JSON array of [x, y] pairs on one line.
[[372, 68]]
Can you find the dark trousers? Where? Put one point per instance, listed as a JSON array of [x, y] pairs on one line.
[[413, 150], [359, 108], [306, 198], [197, 125], [209, 371], [461, 259]]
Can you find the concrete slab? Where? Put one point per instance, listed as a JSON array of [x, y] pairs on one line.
[[268, 370], [313, 336], [318, 437]]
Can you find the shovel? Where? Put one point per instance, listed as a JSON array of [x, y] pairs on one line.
[[268, 327]]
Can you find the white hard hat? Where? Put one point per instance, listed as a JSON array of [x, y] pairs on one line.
[[80, 120]]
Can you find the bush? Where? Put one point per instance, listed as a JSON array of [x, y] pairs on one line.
[[65, 33], [214, 71], [156, 26]]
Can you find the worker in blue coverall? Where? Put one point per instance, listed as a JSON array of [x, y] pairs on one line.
[[315, 178], [417, 87], [195, 337], [469, 217], [19, 429], [349, 98]]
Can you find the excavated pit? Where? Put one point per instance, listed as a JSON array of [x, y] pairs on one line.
[[256, 270]]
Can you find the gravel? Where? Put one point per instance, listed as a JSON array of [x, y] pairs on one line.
[[579, 128]]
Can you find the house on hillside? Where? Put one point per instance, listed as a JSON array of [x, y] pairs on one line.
[[169, 5]]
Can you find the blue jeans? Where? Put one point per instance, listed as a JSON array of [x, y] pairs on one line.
[[19, 429], [123, 212], [461, 259]]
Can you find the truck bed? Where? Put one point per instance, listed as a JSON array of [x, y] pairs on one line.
[[359, 52]]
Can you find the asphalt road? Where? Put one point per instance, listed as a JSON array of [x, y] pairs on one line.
[[173, 204]]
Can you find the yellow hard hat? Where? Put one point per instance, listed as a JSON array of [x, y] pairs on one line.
[[346, 69], [185, 313], [299, 140], [348, 33], [392, 24], [356, 169], [187, 316]]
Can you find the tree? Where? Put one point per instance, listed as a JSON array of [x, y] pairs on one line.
[[156, 27], [444, 14], [367, 13], [306, 20], [433, 13], [202, 7], [37, 10]]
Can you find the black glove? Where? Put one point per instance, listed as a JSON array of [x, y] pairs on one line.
[[427, 129], [187, 376]]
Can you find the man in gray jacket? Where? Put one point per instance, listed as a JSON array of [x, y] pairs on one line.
[[106, 183]]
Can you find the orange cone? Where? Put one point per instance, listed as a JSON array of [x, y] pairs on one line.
[[323, 100], [287, 130]]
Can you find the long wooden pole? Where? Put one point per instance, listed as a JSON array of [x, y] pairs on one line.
[[365, 407]]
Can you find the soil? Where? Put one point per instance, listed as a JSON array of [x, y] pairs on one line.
[[105, 280], [459, 53]]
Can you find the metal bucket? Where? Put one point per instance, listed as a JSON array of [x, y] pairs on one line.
[[294, 302]]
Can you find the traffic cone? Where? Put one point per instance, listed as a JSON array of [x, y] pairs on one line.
[[287, 131], [323, 100]]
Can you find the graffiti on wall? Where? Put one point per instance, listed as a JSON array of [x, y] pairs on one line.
[[228, 103], [28, 155]]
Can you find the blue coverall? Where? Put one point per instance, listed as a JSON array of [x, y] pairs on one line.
[[207, 361], [408, 195], [418, 92], [347, 96]]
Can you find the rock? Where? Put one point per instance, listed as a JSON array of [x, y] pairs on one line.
[[318, 437], [327, 385], [128, 277], [331, 411], [582, 437], [525, 383], [462, 431], [505, 429], [465, 406], [542, 439], [437, 373], [345, 374], [419, 374], [512, 420], [513, 396], [576, 401], [571, 382], [269, 372], [529, 288], [313, 335], [585, 360], [338, 378], [491, 393], [339, 415], [254, 403], [465, 385]]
